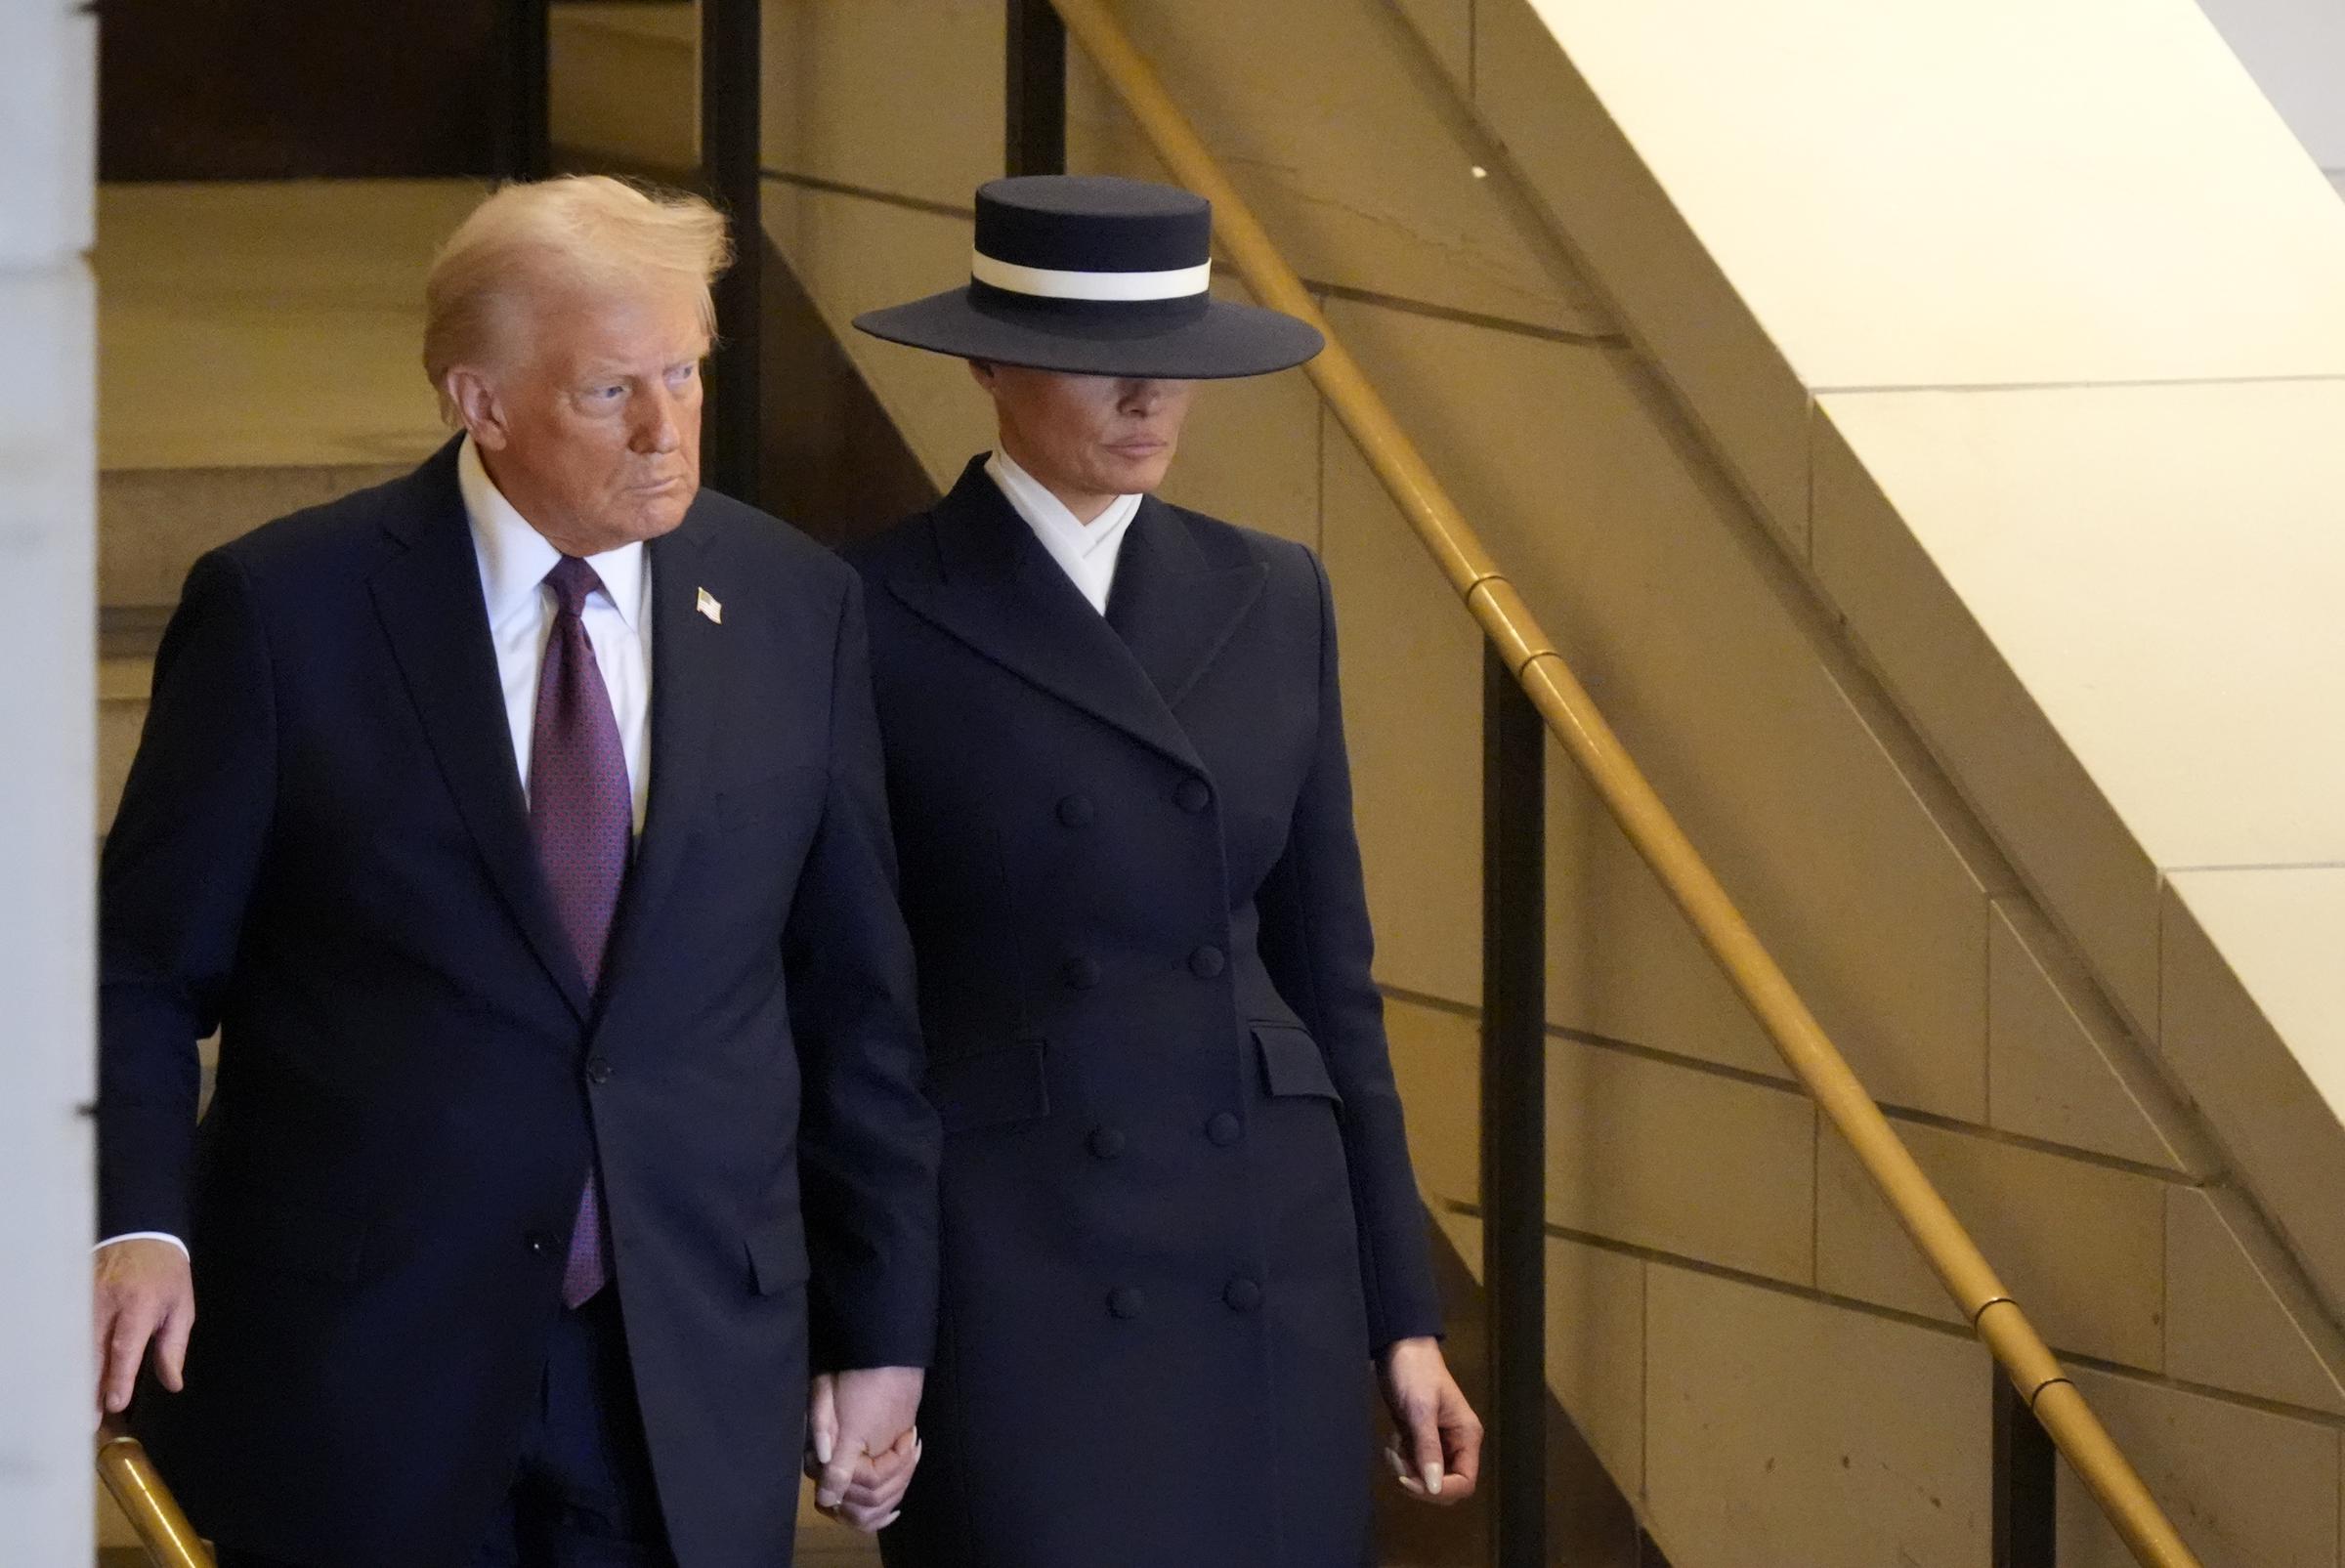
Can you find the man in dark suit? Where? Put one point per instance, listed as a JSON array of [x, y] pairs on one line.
[[520, 824]]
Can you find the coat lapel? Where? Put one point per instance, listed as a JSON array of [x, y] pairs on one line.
[[1001, 594], [429, 601], [688, 685], [1174, 609]]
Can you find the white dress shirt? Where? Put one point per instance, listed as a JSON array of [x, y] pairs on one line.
[[514, 558], [1086, 551]]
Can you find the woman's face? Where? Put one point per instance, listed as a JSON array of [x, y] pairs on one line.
[[1088, 439]]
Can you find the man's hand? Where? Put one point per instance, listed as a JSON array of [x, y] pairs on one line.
[[1437, 1446], [862, 1445], [145, 1296]]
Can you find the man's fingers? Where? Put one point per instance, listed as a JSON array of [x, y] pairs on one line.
[[125, 1349], [171, 1346], [838, 1475]]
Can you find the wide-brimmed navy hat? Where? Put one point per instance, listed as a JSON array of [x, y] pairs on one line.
[[1098, 276]]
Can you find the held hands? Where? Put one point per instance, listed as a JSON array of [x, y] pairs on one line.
[[1436, 1445], [861, 1444], [145, 1296]]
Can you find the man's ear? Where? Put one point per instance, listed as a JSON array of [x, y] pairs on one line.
[[478, 405]]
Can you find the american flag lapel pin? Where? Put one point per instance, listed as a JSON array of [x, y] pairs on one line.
[[708, 606]]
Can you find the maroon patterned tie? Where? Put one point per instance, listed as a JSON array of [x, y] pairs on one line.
[[582, 812]]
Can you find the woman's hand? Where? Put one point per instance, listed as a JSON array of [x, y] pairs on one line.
[[849, 1415], [1436, 1445]]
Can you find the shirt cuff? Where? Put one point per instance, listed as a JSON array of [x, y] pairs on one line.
[[144, 1236]]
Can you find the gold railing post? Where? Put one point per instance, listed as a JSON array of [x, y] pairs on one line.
[[1572, 716], [163, 1529]]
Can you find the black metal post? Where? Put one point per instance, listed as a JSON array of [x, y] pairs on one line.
[[2025, 1518], [1515, 1109], [524, 131], [731, 135], [1035, 97]]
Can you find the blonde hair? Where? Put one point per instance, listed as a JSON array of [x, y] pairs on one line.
[[581, 231]]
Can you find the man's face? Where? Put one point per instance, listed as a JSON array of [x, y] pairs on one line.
[[594, 430], [1088, 439]]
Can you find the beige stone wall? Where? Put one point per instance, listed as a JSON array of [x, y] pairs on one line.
[[1736, 1322]]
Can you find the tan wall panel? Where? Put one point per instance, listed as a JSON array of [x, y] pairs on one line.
[[900, 96], [2060, 1065], [1412, 709], [1638, 250], [1681, 1159], [1437, 1060], [624, 82], [2237, 1314], [1780, 1432], [1250, 453], [1361, 162], [2261, 1097], [2080, 1247], [1642, 565], [2246, 1489], [852, 255]]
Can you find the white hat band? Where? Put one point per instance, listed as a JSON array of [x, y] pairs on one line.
[[1043, 282]]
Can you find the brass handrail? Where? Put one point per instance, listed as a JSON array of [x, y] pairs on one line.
[[163, 1529], [1575, 721]]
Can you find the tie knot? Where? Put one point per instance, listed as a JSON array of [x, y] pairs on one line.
[[572, 581]]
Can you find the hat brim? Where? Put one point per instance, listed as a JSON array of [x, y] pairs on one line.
[[1224, 341]]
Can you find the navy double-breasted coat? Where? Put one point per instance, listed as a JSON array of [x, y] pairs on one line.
[[1178, 1211]]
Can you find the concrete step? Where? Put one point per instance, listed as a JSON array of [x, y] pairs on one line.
[[153, 523]]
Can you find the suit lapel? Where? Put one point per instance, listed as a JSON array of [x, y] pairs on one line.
[[688, 685], [1001, 594], [429, 601], [1174, 608]]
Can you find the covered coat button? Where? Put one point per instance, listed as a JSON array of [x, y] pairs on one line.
[[1076, 811], [1243, 1294], [1193, 795], [1081, 973], [598, 1070], [1223, 1129], [1106, 1142], [1126, 1301], [1206, 962]]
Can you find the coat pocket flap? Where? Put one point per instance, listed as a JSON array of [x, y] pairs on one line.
[[777, 1257], [1292, 1063], [988, 1089]]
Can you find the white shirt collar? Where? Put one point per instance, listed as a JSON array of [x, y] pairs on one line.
[[515, 557], [1049, 516]]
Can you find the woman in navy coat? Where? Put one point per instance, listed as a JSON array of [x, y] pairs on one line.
[[1179, 1221]]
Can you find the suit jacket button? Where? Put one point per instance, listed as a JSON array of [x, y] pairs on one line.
[[1243, 1294], [1076, 811], [1206, 962], [1223, 1129], [1193, 795], [1126, 1303], [1106, 1143], [598, 1070], [1081, 973]]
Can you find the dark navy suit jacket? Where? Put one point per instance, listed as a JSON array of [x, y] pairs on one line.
[[1178, 1209], [325, 850]]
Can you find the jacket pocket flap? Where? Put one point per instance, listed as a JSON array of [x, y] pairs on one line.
[[1292, 1063], [991, 1087], [777, 1257]]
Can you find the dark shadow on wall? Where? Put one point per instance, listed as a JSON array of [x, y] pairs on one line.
[[832, 462]]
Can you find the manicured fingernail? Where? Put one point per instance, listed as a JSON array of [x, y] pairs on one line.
[[891, 1519], [821, 1447], [1433, 1479]]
